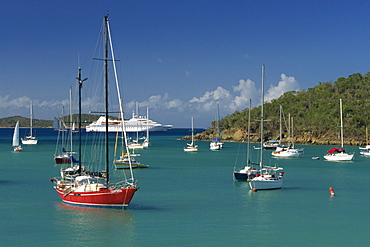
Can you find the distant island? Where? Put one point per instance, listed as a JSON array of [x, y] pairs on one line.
[[9, 122]]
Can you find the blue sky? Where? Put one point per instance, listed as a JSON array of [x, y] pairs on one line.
[[178, 57]]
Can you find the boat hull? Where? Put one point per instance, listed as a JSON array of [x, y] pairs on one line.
[[119, 164], [214, 146], [124, 166], [128, 129], [266, 184], [285, 154], [365, 152], [135, 146], [339, 157], [270, 147], [117, 198], [65, 159], [62, 160], [238, 176], [132, 125], [29, 142], [246, 173]]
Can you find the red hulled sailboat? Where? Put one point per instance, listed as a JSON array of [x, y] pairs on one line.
[[79, 187]]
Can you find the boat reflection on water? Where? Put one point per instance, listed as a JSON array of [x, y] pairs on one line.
[[96, 221]]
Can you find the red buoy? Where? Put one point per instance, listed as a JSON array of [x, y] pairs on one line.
[[254, 190], [331, 190]]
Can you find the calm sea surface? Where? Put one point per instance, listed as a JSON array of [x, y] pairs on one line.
[[188, 199]]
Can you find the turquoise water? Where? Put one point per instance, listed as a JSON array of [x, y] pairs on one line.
[[188, 199]]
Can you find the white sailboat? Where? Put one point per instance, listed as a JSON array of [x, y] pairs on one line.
[[339, 154], [269, 177], [250, 170], [146, 142], [16, 145], [191, 146], [64, 156], [135, 144], [216, 144], [288, 151], [126, 160], [365, 150], [213, 145], [30, 140]]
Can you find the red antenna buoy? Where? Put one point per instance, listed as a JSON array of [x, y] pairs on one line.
[[254, 190], [331, 190]]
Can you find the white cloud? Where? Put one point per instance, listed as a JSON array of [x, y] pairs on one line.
[[207, 102], [20, 106], [287, 83], [174, 103], [19, 102], [246, 90], [157, 102], [242, 93], [219, 93]]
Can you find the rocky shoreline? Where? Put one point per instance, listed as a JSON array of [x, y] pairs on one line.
[[241, 135]]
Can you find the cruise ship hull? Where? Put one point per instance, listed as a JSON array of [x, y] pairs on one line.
[[131, 125]]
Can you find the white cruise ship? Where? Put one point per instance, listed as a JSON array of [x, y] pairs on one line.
[[135, 124]]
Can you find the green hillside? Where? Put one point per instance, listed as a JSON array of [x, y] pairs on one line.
[[315, 114]]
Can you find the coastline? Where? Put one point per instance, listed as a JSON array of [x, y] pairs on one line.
[[238, 135]]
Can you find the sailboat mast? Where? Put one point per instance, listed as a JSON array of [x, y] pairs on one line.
[[31, 113], [106, 95], [289, 129], [292, 135], [281, 130], [217, 121], [249, 131], [61, 122], [80, 81], [262, 114], [192, 131], [70, 119], [147, 124], [79, 121], [118, 95], [137, 121], [341, 122]]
